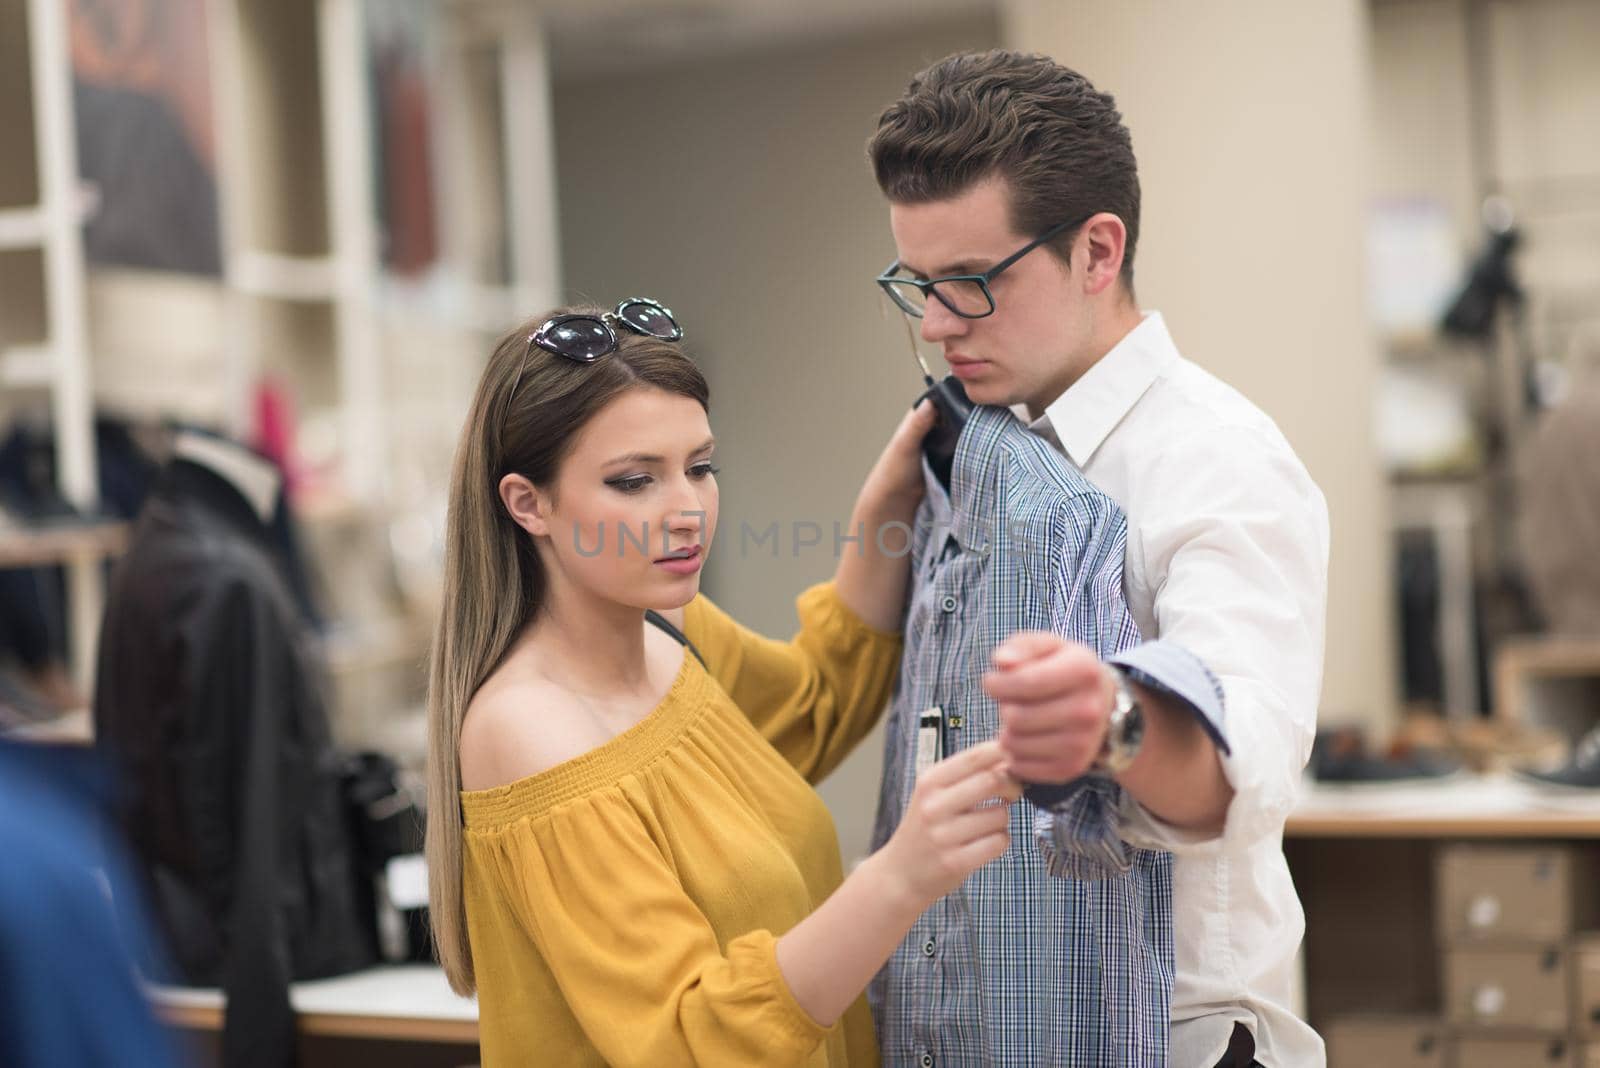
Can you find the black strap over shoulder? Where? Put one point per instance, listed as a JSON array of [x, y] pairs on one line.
[[659, 621]]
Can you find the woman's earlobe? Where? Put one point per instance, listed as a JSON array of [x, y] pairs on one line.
[[528, 508]]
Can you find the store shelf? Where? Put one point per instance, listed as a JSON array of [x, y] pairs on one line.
[[1464, 805], [27, 367], [394, 1002], [48, 546], [22, 228], [28, 227], [295, 278], [67, 729], [1550, 681]]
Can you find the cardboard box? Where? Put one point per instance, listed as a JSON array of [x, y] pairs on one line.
[[1527, 989], [1586, 983], [1503, 894], [1475, 1051], [1363, 1041]]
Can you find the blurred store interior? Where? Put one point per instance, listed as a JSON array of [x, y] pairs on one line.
[[303, 224]]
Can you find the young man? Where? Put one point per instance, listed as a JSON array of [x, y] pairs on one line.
[[1227, 535]]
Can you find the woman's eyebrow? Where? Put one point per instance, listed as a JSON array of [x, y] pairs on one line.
[[636, 458], [652, 458]]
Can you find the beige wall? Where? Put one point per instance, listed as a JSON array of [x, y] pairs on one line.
[[737, 191], [1250, 122]]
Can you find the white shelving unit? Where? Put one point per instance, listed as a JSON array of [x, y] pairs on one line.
[[43, 330], [499, 138], [378, 363], [299, 223], [297, 214], [304, 296]]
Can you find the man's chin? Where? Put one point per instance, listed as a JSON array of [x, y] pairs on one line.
[[990, 394]]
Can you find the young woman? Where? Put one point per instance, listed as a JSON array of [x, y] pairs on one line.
[[627, 861]]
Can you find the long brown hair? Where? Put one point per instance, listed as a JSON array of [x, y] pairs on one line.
[[525, 416]]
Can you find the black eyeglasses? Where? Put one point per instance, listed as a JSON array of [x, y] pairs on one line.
[[968, 295]]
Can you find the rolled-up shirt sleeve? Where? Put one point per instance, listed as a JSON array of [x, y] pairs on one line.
[[1241, 584]]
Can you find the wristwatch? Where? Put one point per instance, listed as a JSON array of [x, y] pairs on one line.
[[1125, 731]]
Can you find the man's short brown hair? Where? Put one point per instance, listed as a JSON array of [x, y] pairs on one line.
[[1058, 142]]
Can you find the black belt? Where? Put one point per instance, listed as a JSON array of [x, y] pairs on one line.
[[1241, 1050]]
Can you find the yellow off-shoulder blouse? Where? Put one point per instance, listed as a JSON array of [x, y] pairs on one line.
[[624, 907]]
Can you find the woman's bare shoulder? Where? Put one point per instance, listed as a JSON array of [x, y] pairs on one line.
[[520, 724]]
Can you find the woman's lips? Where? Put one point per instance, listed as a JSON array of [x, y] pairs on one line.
[[683, 563]]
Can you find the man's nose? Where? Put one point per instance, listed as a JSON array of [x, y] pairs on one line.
[[939, 322]]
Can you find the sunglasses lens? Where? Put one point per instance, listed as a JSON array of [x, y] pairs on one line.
[[579, 339], [649, 319]]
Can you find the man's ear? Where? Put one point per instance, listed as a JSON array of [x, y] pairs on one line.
[[528, 505], [1106, 238]]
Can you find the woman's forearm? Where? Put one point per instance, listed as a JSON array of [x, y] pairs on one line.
[[957, 820], [873, 572], [829, 957]]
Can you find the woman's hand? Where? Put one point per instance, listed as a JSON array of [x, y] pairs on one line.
[[828, 957], [945, 835], [894, 485], [871, 577]]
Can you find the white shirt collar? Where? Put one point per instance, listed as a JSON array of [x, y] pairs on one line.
[[1080, 420], [256, 479]]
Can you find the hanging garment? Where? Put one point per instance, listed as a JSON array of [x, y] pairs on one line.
[[211, 703], [1061, 951]]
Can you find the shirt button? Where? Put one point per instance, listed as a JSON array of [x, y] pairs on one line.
[[927, 1060], [948, 604], [927, 948]]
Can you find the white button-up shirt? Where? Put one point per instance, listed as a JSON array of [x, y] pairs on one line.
[[1228, 557]]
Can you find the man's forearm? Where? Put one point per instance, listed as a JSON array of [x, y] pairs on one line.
[[1177, 775]]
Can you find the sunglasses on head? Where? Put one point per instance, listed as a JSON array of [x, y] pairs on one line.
[[585, 337]]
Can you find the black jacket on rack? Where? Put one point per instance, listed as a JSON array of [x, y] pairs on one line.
[[210, 701]]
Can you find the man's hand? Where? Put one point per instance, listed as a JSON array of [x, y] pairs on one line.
[[1055, 705]]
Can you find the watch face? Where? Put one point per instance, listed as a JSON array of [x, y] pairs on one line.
[[1133, 727], [1127, 728]]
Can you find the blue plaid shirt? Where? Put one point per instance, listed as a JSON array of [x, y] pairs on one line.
[[1061, 951]]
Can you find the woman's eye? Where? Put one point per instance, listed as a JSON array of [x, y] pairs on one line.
[[629, 485], [704, 470]]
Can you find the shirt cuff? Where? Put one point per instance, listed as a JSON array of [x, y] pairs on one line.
[[1171, 669]]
